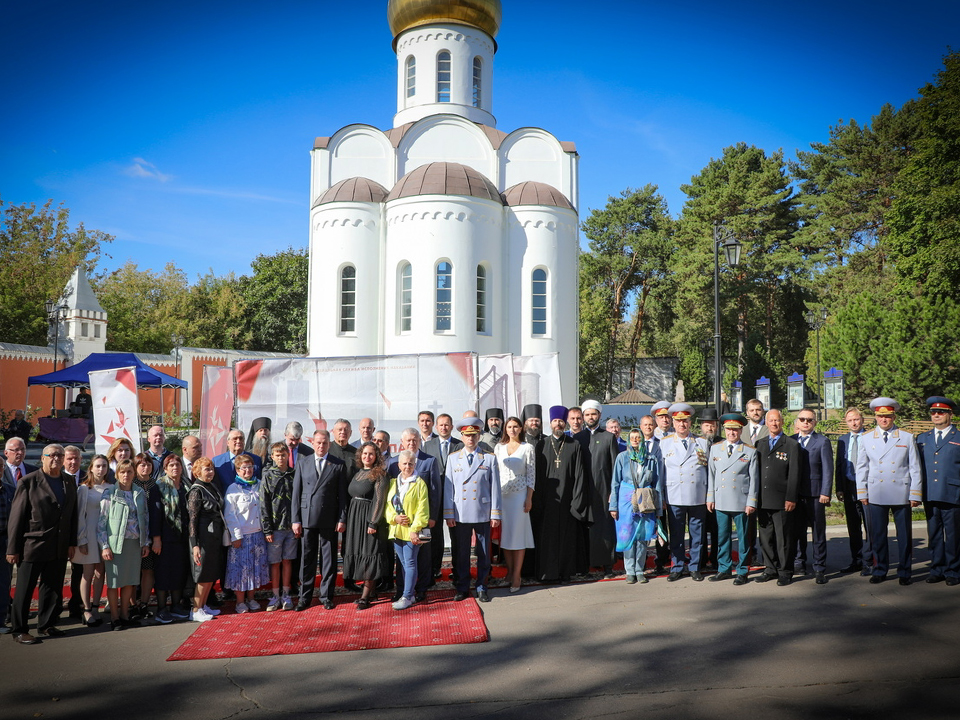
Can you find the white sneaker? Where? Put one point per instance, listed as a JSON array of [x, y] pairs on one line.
[[287, 602], [200, 616], [242, 608], [403, 603], [210, 611], [274, 604], [253, 605]]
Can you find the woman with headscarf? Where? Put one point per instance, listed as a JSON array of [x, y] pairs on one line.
[[635, 503]]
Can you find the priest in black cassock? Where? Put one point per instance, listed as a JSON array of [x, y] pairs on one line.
[[561, 513], [599, 450]]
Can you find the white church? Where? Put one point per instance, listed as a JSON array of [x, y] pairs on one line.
[[444, 233]]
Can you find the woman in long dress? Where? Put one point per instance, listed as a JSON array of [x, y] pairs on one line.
[[635, 503], [367, 556], [518, 476], [169, 525], [89, 495]]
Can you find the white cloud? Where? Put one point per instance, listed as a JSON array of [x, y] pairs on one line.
[[141, 168]]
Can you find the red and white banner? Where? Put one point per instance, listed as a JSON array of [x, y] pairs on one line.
[[116, 407], [537, 379], [216, 409]]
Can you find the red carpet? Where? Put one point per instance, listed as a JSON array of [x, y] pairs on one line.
[[438, 621]]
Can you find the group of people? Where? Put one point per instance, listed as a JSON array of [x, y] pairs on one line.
[[556, 502]]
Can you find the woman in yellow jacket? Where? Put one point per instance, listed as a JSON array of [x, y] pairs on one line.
[[407, 513]]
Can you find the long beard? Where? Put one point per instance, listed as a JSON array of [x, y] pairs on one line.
[[260, 446]]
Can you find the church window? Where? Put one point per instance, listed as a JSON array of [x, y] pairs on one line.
[[84, 329], [539, 301], [96, 331], [411, 76], [406, 297], [444, 297], [477, 78], [443, 77], [348, 300], [481, 299]]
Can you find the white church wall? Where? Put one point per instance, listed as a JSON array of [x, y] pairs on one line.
[[342, 234], [463, 44], [446, 138], [353, 151], [533, 154], [424, 231]]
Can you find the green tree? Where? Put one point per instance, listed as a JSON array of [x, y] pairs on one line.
[[276, 301], [38, 252], [629, 243], [218, 313]]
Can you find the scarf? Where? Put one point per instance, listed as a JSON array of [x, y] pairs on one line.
[[245, 483]]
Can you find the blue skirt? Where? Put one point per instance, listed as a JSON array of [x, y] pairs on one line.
[[247, 567]]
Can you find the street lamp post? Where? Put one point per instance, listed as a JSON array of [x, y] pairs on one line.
[[722, 237], [177, 341], [55, 311], [816, 322]]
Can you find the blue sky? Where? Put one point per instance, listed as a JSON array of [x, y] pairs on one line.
[[184, 128]]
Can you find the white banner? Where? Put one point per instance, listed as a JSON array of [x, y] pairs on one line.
[[537, 379], [216, 409], [497, 386], [390, 389], [116, 407]]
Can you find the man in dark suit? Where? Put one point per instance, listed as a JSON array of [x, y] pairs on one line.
[[319, 512], [14, 470], [223, 463], [441, 448], [341, 448], [72, 458], [845, 475], [428, 469], [939, 450], [816, 487], [41, 537], [599, 451], [779, 488]]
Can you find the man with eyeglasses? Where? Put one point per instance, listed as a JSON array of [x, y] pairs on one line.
[[816, 487], [41, 537], [939, 450], [14, 470]]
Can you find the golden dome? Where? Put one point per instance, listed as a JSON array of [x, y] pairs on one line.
[[482, 14]]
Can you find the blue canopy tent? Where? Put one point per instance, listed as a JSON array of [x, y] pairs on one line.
[[77, 376]]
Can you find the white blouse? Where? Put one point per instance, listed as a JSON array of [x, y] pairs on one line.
[[517, 471]]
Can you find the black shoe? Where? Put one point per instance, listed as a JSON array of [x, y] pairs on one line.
[[852, 567], [905, 581], [117, 625], [864, 571], [721, 576], [821, 578], [951, 581], [460, 597], [935, 579], [631, 579], [214, 601], [697, 575], [674, 576], [784, 580], [351, 585], [363, 603], [740, 580], [800, 568], [51, 631], [766, 577], [482, 596], [419, 597], [877, 579], [327, 604], [302, 605]]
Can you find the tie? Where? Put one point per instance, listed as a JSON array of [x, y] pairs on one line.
[[803, 441], [649, 446], [939, 437], [470, 459], [885, 436], [319, 466], [854, 447], [685, 446], [444, 450], [753, 432], [19, 474], [729, 450]]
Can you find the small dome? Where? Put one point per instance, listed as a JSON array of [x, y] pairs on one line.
[[445, 178], [482, 14], [535, 193], [357, 189]]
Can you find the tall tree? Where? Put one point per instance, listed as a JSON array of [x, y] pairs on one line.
[[629, 243], [38, 252], [276, 300]]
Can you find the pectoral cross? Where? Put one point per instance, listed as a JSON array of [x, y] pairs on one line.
[[557, 461]]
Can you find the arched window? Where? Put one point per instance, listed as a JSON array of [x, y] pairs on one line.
[[411, 76], [443, 77], [348, 300], [481, 299], [538, 298], [406, 297], [444, 297], [477, 79]]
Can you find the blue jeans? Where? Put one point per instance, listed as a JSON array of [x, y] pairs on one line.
[[407, 555]]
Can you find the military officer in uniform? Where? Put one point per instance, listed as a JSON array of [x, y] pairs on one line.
[[685, 473], [939, 451], [661, 416], [471, 505], [732, 494], [889, 479]]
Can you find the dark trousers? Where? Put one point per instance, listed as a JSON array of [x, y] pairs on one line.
[[324, 541], [777, 540], [811, 513], [681, 517], [943, 533], [425, 563], [50, 577], [75, 603], [710, 540], [861, 552], [663, 545], [6, 575], [878, 517], [461, 561]]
